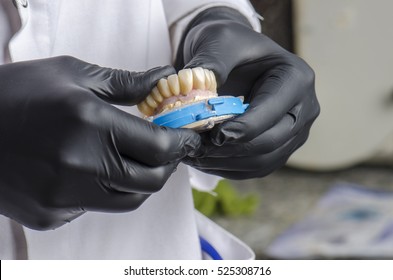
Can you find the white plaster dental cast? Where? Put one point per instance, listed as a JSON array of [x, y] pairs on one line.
[[186, 87]]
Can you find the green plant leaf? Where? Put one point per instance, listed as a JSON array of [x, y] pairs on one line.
[[227, 202]]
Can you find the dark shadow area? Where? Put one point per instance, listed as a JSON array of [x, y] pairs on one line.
[[277, 23]]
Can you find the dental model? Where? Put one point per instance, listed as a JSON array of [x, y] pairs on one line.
[[188, 86], [189, 99]]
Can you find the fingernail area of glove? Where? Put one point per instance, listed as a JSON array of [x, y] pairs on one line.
[[193, 149], [223, 136], [176, 157], [193, 145], [197, 152]]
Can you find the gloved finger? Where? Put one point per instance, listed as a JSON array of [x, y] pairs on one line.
[[265, 143], [272, 97], [250, 163], [110, 189], [148, 143], [207, 61], [44, 219], [113, 202], [66, 209], [120, 86], [134, 177], [244, 175], [127, 88], [214, 48]]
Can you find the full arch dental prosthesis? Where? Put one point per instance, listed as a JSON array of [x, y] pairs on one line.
[[189, 99]]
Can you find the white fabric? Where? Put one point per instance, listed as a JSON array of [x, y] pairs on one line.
[[7, 240], [131, 35], [5, 33], [228, 245]]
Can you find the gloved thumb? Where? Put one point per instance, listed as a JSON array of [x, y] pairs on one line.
[[120, 86]]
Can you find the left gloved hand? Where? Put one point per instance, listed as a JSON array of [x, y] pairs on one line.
[[278, 85]]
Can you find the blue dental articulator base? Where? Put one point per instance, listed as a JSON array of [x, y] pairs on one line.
[[202, 115]]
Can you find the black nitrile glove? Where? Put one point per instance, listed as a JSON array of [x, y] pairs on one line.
[[278, 85], [64, 150]]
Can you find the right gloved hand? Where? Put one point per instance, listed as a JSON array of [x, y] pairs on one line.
[[64, 150], [278, 85]]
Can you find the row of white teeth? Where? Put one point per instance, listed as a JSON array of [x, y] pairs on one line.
[[178, 84]]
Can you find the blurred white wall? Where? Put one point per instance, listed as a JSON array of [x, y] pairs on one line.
[[349, 44]]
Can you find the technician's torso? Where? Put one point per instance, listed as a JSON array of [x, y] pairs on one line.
[[115, 34]]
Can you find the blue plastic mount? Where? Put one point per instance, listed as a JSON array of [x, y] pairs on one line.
[[203, 110]]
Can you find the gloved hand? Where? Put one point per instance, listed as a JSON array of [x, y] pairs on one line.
[[64, 150], [278, 85]]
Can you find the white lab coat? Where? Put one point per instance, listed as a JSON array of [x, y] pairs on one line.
[[134, 35]]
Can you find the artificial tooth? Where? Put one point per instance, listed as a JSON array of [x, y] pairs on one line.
[[198, 76], [151, 102], [164, 88], [145, 109], [155, 93], [208, 80], [173, 83], [185, 81], [213, 85]]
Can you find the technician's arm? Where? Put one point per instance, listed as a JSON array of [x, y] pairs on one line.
[[64, 150], [278, 85]]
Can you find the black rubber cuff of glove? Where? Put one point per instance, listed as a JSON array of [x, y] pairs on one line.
[[215, 14]]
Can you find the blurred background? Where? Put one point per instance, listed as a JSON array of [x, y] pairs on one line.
[[334, 198]]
